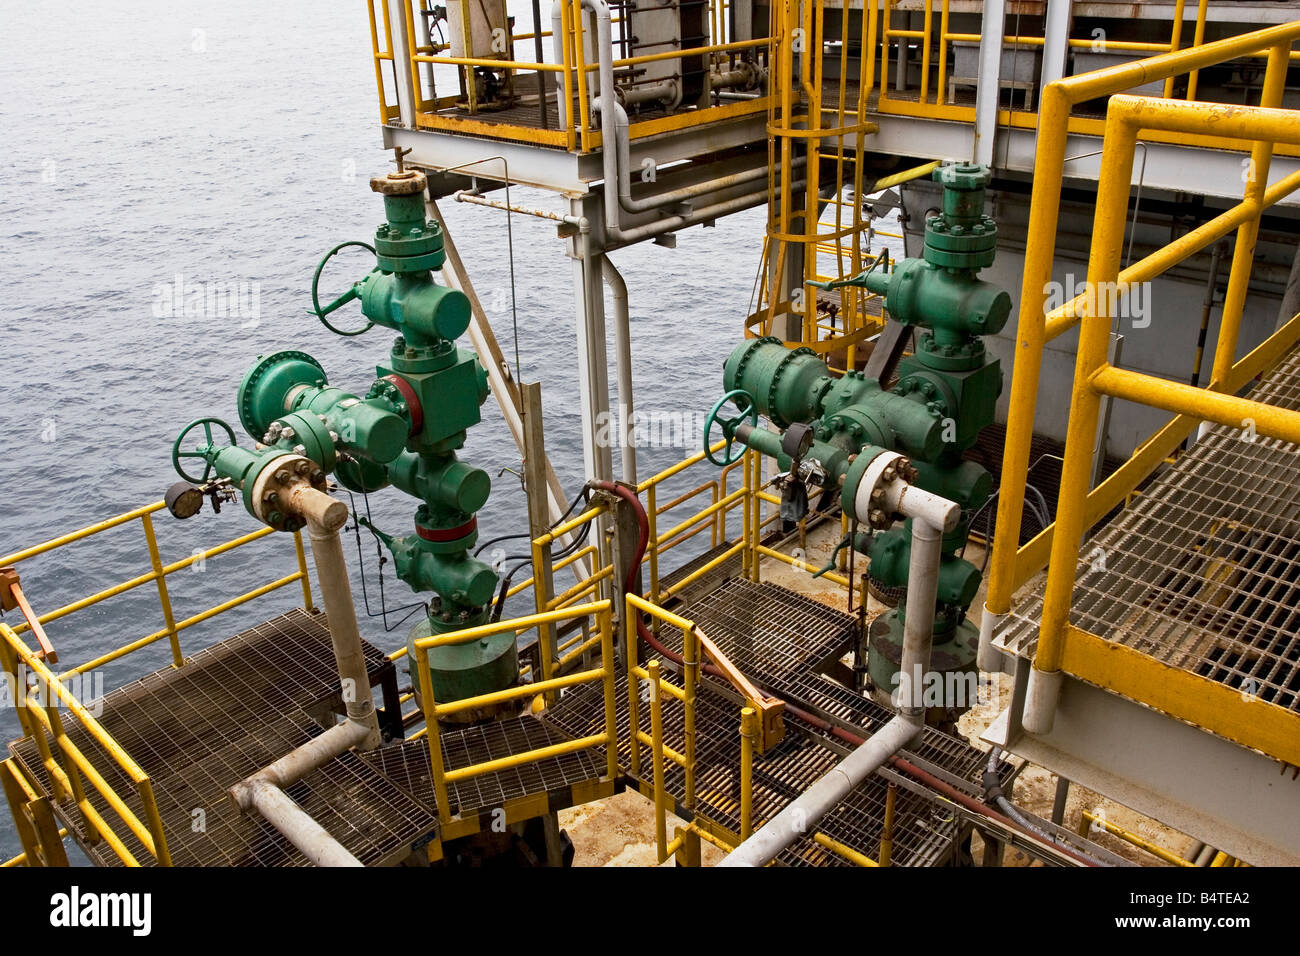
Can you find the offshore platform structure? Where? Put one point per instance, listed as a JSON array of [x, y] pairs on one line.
[[935, 176]]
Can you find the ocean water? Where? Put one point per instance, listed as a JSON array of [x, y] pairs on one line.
[[233, 143]]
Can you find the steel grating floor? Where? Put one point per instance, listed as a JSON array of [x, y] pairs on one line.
[[795, 635], [239, 705], [1202, 570], [407, 764]]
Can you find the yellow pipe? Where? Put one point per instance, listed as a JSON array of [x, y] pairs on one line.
[[848, 853], [1243, 254], [1088, 820], [1174, 41], [681, 466], [302, 569], [633, 690], [704, 569], [1197, 39], [663, 750], [470, 634], [887, 831], [85, 532], [896, 179], [795, 563], [925, 50], [605, 621], [1230, 410]]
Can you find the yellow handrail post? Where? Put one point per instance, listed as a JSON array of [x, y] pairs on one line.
[[542, 601], [748, 734], [690, 679], [161, 578], [608, 663], [302, 570], [1174, 42], [1197, 39], [657, 756], [887, 831], [633, 687], [1243, 255], [1085, 403], [437, 769]]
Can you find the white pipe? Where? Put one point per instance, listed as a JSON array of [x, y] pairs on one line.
[[298, 827], [623, 157], [301, 761], [802, 814], [918, 623], [623, 366], [988, 657], [336, 595], [610, 112], [264, 790]]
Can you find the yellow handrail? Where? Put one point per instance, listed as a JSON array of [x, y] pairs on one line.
[[1010, 565], [433, 711], [1062, 645]]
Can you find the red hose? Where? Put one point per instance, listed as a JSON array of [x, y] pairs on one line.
[[898, 763]]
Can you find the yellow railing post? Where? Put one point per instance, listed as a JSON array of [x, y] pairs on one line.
[[608, 663], [161, 578], [748, 735], [690, 680], [887, 830], [1094, 335], [633, 687], [1243, 255], [657, 758], [302, 570], [436, 766]]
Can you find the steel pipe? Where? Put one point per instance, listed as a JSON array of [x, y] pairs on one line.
[[623, 367], [801, 815], [298, 827]]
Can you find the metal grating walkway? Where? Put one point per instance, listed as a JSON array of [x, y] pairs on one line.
[[1202, 570], [239, 705], [779, 638]]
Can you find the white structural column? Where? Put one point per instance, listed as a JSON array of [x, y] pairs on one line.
[[1055, 41], [593, 358], [988, 92], [401, 70]]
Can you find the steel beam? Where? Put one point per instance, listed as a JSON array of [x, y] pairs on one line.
[[1230, 797]]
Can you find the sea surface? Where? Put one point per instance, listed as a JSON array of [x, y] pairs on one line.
[[229, 145]]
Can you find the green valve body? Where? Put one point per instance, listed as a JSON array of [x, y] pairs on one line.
[[945, 395], [403, 431]]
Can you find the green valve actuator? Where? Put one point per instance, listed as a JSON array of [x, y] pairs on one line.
[[404, 431]]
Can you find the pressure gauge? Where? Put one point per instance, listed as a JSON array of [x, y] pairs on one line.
[[183, 500]]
